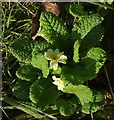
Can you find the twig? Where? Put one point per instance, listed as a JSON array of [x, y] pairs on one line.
[[8, 36], [109, 83], [102, 5], [4, 112], [92, 116]]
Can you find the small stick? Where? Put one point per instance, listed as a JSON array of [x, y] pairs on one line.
[[102, 5], [7, 36], [92, 116], [4, 112]]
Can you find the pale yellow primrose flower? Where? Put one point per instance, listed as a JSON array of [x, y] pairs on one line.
[[55, 57], [58, 82]]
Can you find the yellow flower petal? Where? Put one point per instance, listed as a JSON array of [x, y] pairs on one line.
[[56, 52], [54, 77], [58, 82], [62, 59], [54, 65], [50, 51], [47, 56]]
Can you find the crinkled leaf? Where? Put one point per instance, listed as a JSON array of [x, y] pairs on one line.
[[66, 107], [93, 106], [82, 92], [99, 55], [88, 31], [76, 51], [54, 31], [52, 27], [28, 73], [21, 90], [43, 92], [22, 50], [40, 47], [81, 29], [93, 37], [94, 55]]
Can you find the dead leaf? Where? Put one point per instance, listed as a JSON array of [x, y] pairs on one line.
[[51, 7]]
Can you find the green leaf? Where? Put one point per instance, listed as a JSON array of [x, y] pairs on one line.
[[93, 106], [40, 47], [40, 62], [75, 74], [27, 72], [88, 31], [21, 90], [43, 92], [84, 93], [76, 10], [52, 27], [38, 59], [81, 29], [93, 37], [66, 107], [54, 31], [86, 34], [22, 50], [94, 55], [76, 51], [87, 69]]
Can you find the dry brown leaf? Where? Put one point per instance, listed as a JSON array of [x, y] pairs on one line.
[[51, 7]]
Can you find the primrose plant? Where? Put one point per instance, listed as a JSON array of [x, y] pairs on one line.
[[53, 72]]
